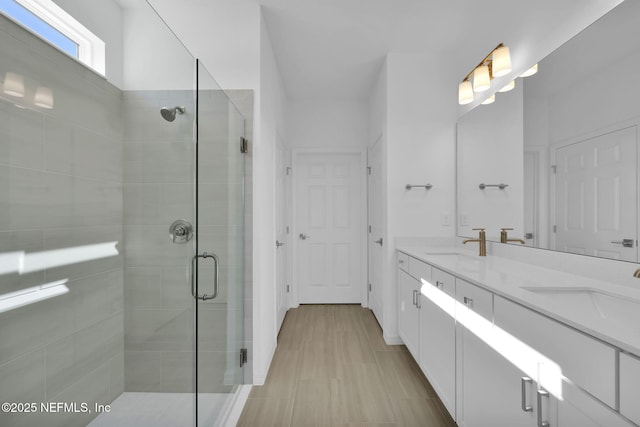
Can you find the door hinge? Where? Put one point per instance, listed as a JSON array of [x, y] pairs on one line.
[[555, 228], [287, 229], [369, 287], [244, 145], [288, 168], [554, 168], [288, 289], [369, 229], [243, 357], [369, 170]]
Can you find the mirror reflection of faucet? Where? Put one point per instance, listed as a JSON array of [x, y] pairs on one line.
[[505, 239], [482, 240]]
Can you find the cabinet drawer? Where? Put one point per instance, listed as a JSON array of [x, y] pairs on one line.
[[630, 387], [444, 281], [419, 270], [585, 361], [403, 261], [480, 300]]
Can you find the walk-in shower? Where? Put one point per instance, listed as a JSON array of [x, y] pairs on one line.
[[116, 232], [169, 114]]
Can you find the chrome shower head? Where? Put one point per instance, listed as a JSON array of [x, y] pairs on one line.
[[169, 114]]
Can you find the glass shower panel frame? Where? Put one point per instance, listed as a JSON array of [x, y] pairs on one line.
[[220, 235]]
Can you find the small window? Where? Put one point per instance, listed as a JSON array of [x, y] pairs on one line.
[[51, 23]]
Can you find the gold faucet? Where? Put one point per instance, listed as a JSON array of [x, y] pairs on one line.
[[482, 239], [504, 239]]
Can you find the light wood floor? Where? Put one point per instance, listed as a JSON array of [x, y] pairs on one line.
[[332, 368]]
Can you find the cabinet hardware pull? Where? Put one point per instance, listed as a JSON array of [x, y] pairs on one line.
[[524, 381], [439, 285], [415, 293], [468, 302], [541, 394]]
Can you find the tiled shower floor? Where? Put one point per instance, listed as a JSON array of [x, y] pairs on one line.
[[162, 410]]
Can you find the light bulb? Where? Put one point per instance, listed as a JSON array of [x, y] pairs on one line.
[[481, 79], [501, 65]]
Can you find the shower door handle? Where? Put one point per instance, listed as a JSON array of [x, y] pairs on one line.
[[194, 279]]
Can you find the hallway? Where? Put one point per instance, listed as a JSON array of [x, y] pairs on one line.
[[333, 368]]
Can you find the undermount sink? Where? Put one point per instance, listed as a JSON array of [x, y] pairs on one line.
[[593, 302]]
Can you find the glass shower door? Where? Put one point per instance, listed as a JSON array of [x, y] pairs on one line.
[[219, 259]]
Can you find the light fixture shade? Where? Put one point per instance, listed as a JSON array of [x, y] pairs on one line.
[[13, 84], [509, 86], [489, 100], [530, 72], [465, 93], [501, 63], [44, 97], [481, 79]]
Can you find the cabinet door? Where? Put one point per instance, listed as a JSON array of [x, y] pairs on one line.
[[577, 408], [490, 391], [408, 315], [438, 349], [630, 387]]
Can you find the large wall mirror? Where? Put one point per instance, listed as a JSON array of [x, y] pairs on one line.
[[564, 144]]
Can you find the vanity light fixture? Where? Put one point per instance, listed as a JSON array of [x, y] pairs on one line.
[[509, 86], [13, 84], [489, 100], [44, 97], [465, 93], [530, 72], [496, 64]]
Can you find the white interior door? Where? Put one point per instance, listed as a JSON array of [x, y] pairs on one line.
[[596, 189], [329, 227], [282, 232], [375, 209]]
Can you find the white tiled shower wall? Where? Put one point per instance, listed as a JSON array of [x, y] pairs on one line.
[[60, 187]]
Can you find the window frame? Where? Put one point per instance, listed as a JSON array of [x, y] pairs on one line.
[[91, 49]]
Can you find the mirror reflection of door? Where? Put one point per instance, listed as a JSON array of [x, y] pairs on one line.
[[595, 194]]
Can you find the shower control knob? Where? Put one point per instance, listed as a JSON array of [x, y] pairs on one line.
[[181, 231]]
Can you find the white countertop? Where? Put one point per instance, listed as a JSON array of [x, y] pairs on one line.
[[606, 311]]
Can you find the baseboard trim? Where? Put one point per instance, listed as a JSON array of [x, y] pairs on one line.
[[395, 340], [231, 413]]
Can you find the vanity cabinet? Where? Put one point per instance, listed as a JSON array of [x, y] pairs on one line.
[[630, 387], [585, 364], [437, 338], [487, 357], [491, 390], [408, 312]]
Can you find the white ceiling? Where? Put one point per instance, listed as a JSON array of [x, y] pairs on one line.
[[334, 49]]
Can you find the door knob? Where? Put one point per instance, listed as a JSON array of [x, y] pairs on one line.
[[278, 244], [627, 243], [379, 241], [304, 236]]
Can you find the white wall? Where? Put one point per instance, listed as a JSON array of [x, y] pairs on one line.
[[104, 19], [490, 150], [273, 106], [420, 148], [224, 34], [328, 124]]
